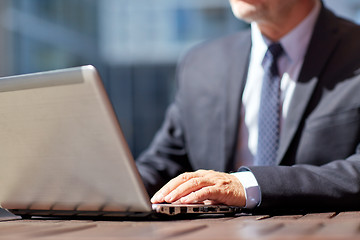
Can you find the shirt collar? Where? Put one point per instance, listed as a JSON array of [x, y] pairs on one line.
[[294, 42]]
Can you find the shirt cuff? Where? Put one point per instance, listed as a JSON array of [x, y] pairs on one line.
[[251, 187]]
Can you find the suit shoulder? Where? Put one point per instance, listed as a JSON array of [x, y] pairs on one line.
[[347, 29], [218, 47]]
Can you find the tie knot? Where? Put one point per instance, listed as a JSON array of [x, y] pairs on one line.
[[275, 49]]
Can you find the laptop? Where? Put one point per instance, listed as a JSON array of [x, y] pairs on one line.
[[63, 153]]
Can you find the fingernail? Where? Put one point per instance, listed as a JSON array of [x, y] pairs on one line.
[[168, 198], [157, 198], [187, 200]]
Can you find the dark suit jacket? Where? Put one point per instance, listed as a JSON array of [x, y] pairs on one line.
[[319, 153]]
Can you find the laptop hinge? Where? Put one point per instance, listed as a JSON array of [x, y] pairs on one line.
[[5, 215]]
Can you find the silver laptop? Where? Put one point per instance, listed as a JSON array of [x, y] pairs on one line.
[[63, 153]]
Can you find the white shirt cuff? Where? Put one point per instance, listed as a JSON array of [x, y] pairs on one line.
[[251, 188]]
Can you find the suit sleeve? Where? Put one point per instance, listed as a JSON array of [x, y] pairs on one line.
[[332, 186], [167, 155]]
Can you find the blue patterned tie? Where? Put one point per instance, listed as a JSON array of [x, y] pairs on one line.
[[270, 106]]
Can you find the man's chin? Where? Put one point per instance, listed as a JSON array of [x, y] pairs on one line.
[[244, 11]]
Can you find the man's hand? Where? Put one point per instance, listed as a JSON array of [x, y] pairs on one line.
[[202, 186]]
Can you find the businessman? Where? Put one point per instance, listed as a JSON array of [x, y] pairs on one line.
[[268, 118]]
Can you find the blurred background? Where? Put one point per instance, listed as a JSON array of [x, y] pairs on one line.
[[134, 44]]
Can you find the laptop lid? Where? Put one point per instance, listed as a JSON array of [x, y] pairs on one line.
[[62, 148]]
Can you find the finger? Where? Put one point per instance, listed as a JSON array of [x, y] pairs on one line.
[[209, 202], [202, 195], [216, 194], [193, 184], [171, 185]]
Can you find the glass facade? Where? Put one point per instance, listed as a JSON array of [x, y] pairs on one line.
[[159, 31], [134, 45], [52, 34], [349, 9]]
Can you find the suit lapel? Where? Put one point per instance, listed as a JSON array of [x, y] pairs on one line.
[[239, 62], [321, 46]]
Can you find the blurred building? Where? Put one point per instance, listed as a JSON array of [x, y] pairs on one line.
[[349, 9], [135, 45]]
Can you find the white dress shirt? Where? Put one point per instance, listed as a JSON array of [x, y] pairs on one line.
[[295, 44]]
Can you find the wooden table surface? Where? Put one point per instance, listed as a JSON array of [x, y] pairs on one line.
[[343, 225]]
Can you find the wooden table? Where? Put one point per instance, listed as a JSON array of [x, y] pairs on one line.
[[344, 225]]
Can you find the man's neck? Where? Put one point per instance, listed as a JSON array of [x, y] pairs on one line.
[[282, 24]]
